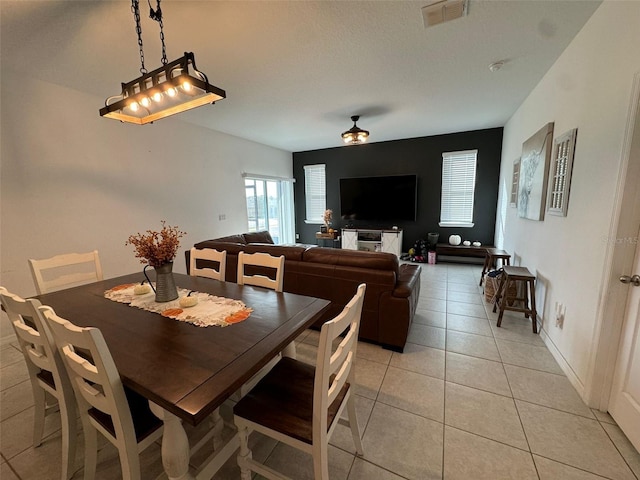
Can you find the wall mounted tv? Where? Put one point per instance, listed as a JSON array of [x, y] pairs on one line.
[[389, 198]]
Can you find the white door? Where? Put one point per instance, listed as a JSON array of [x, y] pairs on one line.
[[624, 406], [624, 403]]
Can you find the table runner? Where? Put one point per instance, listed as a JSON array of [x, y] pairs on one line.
[[210, 310]]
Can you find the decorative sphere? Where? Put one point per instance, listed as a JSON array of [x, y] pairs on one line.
[[455, 240], [466, 243], [186, 302], [141, 289], [476, 244]]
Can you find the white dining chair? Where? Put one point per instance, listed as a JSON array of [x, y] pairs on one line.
[[122, 416], [48, 376], [263, 261], [211, 255], [66, 270], [300, 405]]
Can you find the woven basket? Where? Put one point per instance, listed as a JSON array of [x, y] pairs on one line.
[[491, 284]]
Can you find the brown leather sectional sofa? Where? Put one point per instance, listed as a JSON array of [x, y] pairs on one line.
[[334, 274]]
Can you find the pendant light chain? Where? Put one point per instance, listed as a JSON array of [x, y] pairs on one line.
[[159, 93], [136, 15], [157, 16], [154, 15]]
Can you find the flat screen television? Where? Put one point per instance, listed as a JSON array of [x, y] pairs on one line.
[[389, 198]]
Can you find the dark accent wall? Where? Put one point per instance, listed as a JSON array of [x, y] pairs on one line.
[[421, 156]]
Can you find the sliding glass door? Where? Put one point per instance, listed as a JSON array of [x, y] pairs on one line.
[[270, 207]]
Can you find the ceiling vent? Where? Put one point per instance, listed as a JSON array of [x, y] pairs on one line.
[[443, 11]]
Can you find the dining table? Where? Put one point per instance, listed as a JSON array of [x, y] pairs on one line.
[[186, 371]]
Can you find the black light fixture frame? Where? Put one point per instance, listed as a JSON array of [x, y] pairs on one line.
[[163, 92], [171, 75]]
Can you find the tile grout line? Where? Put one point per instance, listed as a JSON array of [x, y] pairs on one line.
[[624, 459], [515, 404]]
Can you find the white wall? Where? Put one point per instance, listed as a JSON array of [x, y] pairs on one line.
[[589, 87], [73, 181]]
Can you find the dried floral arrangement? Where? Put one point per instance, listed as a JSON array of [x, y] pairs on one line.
[[327, 216], [157, 248]]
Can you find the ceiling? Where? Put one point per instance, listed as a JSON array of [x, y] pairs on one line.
[[295, 71]]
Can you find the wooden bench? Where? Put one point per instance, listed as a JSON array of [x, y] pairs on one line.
[[462, 253]]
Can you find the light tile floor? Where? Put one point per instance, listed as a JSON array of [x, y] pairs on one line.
[[465, 400]]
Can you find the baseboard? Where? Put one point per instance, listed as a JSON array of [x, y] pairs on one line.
[[562, 363]]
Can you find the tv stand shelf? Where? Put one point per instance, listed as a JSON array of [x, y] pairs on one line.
[[372, 240]]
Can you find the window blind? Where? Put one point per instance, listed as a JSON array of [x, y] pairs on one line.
[[315, 192], [458, 188]]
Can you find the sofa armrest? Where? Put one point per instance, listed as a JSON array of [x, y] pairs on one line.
[[407, 279], [398, 307]]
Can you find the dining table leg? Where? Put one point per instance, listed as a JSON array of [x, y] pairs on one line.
[[175, 445]]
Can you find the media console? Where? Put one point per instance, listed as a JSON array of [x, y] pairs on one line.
[[373, 240]]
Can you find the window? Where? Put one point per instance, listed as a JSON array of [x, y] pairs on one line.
[[458, 188], [315, 193], [270, 207]]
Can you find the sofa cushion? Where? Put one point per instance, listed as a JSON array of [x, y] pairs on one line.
[[229, 247], [258, 237], [353, 258], [290, 252], [230, 239]]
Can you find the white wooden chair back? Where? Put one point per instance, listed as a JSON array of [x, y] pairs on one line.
[[95, 380], [34, 337], [67, 270], [210, 254], [334, 370], [42, 358], [261, 260]]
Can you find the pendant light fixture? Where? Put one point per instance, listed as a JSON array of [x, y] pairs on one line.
[[175, 87], [355, 135]]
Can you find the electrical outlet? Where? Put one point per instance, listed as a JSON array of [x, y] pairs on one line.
[[560, 312], [297, 236], [222, 216]]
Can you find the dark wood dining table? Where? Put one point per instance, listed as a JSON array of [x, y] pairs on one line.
[[186, 370]]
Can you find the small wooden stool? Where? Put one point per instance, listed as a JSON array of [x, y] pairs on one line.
[[491, 258], [517, 274]]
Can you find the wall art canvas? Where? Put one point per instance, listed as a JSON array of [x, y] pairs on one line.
[[534, 173]]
